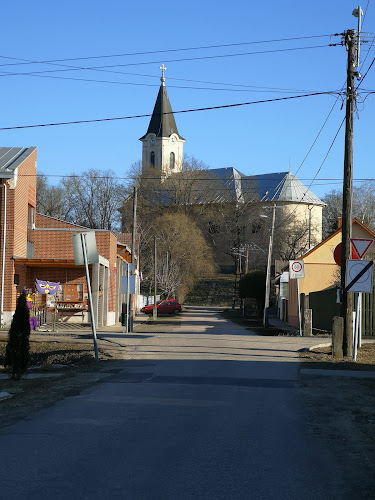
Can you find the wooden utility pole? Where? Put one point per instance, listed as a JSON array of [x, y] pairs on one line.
[[134, 230], [346, 297]]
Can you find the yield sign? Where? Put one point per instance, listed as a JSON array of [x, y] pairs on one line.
[[361, 245]]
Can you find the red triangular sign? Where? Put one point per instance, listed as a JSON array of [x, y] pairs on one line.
[[361, 245]]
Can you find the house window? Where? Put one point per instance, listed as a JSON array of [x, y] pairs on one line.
[[152, 158], [30, 227], [30, 222], [172, 161]]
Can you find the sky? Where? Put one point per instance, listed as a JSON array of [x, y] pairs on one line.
[[216, 55]]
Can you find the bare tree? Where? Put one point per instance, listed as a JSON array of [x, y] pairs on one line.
[[92, 199], [363, 207], [183, 254], [52, 200]]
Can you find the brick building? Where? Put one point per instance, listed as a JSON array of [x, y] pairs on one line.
[[34, 246]]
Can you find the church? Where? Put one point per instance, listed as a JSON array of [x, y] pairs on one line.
[[162, 158]]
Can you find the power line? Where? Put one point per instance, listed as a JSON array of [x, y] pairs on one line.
[[218, 56], [173, 112], [202, 47], [249, 88], [327, 180]]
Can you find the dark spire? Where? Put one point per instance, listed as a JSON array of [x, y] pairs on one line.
[[162, 122]]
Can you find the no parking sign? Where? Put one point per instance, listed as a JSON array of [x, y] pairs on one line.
[[358, 276]]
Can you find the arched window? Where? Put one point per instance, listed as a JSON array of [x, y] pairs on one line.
[[171, 161], [152, 158]]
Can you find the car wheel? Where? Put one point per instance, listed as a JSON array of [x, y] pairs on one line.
[[176, 311]]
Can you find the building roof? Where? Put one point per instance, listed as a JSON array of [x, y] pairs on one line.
[[11, 158], [273, 187], [162, 122], [282, 186]]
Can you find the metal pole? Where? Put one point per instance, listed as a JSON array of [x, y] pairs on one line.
[[83, 242], [310, 226], [127, 297], [155, 311], [267, 297], [299, 310], [134, 230], [346, 298], [3, 260]]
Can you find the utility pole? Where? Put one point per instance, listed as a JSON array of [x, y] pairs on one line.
[[132, 250], [268, 276], [346, 297]]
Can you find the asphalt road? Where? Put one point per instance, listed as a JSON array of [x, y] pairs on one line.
[[206, 411]]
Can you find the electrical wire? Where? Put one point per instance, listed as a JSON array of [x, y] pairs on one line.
[[217, 56], [224, 106], [202, 47]]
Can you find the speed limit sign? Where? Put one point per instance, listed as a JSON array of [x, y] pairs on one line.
[[296, 269]]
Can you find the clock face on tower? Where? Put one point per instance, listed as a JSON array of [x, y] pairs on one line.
[[173, 140], [152, 141]]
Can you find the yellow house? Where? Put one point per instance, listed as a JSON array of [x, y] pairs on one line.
[[321, 270]]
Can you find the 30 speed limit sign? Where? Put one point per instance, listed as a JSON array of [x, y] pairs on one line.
[[296, 269]]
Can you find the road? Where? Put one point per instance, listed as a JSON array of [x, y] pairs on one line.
[[206, 411]]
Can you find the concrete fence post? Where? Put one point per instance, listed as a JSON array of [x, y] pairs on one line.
[[337, 337], [308, 323]]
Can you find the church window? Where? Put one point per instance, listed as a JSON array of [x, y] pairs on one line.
[[152, 158], [172, 161]]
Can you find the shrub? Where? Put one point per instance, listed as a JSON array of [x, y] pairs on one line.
[[17, 353]]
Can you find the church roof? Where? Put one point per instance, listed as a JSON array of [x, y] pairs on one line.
[[282, 186], [11, 158], [162, 122], [273, 187]]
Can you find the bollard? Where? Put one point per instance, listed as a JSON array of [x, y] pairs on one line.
[[337, 337]]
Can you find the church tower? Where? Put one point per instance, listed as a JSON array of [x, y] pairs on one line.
[[162, 145]]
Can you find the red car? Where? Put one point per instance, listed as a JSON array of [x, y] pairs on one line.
[[167, 306]]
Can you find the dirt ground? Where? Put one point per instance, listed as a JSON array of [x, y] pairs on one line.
[[74, 362], [341, 412]]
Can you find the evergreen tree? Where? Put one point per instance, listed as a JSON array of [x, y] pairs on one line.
[[17, 352]]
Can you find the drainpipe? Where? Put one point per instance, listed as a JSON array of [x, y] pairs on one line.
[[3, 257]]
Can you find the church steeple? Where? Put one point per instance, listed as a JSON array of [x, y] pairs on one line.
[[162, 144]]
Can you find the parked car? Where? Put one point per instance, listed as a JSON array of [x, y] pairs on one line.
[[167, 306]]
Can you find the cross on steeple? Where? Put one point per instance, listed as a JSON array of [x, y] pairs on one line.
[[163, 68]]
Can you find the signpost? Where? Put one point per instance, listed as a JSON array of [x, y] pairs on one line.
[[86, 254], [358, 279], [297, 271], [128, 287]]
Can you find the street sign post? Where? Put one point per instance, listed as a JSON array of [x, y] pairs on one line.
[[297, 271]]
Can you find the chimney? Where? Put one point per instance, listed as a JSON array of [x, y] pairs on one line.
[[339, 222]]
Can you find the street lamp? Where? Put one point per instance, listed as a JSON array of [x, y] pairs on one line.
[[267, 297], [154, 310]]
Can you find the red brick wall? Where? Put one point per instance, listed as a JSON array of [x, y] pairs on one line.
[[18, 200], [45, 221]]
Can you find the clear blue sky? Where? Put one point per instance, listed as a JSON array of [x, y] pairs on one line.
[[259, 138]]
